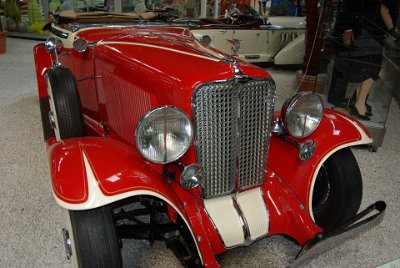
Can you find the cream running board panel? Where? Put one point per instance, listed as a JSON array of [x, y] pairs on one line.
[[240, 218]]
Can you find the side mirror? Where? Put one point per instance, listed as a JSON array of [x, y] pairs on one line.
[[80, 45]]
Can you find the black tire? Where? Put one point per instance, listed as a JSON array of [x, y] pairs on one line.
[[337, 190], [96, 243], [64, 103], [48, 131]]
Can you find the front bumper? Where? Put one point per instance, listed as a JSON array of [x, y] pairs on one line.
[[354, 226]]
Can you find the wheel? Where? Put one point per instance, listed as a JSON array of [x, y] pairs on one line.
[[65, 115], [95, 238], [337, 190], [48, 131]]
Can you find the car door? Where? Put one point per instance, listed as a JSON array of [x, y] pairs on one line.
[[251, 43], [219, 38]]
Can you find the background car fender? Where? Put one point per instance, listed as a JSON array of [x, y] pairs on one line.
[[336, 131], [292, 53]]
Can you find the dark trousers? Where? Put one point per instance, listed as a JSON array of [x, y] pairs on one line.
[[338, 88]]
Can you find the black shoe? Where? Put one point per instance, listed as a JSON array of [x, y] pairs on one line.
[[354, 112], [369, 108]]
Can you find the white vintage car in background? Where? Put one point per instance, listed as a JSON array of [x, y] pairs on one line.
[[279, 40]]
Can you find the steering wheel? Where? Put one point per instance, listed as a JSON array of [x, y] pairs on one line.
[[234, 17]]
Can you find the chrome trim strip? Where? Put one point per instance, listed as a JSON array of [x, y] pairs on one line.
[[245, 225], [254, 210]]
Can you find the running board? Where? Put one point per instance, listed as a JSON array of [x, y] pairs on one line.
[[351, 228]]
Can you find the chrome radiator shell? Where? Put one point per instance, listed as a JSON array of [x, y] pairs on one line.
[[232, 131]]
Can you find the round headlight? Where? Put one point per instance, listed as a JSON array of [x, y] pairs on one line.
[[302, 114], [164, 134]]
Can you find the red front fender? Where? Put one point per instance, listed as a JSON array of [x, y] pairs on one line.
[[91, 172], [336, 131], [43, 62]]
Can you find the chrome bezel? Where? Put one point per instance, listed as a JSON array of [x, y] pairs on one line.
[[140, 123], [290, 104], [197, 173]]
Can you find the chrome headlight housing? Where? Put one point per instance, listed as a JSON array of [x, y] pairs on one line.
[[302, 114], [164, 134]]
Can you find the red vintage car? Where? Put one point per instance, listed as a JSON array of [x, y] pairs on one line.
[[152, 136]]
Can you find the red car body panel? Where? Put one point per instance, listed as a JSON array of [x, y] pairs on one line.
[[43, 62], [333, 132], [119, 169], [110, 79]]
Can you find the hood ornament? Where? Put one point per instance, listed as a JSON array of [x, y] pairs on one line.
[[235, 45]]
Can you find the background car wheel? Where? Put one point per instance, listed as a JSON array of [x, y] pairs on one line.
[[337, 190], [65, 114], [95, 238]]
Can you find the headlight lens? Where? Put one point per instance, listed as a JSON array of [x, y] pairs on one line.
[[302, 114], [164, 134]]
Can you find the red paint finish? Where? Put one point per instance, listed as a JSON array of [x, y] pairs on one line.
[[82, 66], [42, 63], [67, 171], [287, 214], [283, 159], [118, 170], [131, 70], [121, 63]]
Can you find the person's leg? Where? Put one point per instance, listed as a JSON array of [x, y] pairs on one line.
[[337, 90], [362, 94]]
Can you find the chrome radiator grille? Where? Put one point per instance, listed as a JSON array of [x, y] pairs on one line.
[[232, 124]]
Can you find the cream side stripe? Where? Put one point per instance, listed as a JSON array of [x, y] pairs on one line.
[[97, 198], [364, 140], [158, 47]]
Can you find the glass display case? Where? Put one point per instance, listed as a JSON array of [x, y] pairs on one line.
[[380, 95], [360, 62]]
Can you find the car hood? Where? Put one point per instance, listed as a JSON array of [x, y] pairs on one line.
[[168, 62], [170, 54]]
